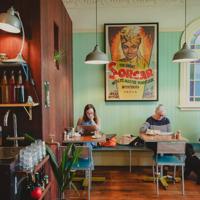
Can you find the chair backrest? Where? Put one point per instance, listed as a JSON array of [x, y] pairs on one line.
[[171, 147], [85, 152]]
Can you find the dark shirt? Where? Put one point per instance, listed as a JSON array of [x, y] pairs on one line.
[[163, 125]]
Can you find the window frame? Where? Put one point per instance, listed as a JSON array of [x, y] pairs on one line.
[[184, 103]]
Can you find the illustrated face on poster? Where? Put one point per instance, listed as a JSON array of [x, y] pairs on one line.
[[132, 73]]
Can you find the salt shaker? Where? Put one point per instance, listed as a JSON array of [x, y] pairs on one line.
[[178, 135]]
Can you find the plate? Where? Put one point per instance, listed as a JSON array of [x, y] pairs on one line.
[[96, 136], [125, 140], [165, 133]]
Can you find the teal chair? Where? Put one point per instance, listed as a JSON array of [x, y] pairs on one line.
[[84, 163], [169, 154]]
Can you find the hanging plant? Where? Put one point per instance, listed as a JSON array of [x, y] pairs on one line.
[[58, 55]]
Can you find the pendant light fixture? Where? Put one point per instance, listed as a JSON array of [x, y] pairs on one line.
[[96, 56], [185, 54], [11, 22]]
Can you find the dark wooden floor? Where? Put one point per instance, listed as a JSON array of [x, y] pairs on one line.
[[120, 184]]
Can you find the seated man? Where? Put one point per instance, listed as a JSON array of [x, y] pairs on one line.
[[158, 121]]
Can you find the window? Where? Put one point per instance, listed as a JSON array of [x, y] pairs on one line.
[[190, 72]]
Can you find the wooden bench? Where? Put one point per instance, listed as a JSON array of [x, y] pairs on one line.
[[130, 149]]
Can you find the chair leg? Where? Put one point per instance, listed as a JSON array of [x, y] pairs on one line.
[[183, 183], [157, 179], [153, 168], [161, 170], [174, 173], [89, 183]]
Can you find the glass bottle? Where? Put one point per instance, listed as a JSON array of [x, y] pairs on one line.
[[0, 136], [46, 180], [37, 180], [12, 88], [19, 89], [4, 89], [29, 187]]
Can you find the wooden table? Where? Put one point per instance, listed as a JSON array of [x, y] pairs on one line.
[[166, 141], [161, 138], [83, 139]]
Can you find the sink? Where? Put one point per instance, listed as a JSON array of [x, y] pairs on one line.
[[9, 152]]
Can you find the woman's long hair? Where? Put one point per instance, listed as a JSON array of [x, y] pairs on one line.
[[85, 117]]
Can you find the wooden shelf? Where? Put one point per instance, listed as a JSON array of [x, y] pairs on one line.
[[36, 168], [40, 164], [45, 191], [27, 107], [19, 105], [10, 64]]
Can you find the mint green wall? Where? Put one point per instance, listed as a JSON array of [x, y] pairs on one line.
[[126, 117]]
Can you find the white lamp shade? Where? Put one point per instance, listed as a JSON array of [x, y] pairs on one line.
[[96, 57], [9, 23], [185, 54]]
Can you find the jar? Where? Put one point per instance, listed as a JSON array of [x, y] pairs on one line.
[[178, 135]]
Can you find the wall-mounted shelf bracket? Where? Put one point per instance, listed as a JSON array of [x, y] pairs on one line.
[[27, 107]]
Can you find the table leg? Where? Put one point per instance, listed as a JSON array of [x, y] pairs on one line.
[[130, 160]]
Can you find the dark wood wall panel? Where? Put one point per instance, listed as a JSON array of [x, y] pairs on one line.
[[60, 112]]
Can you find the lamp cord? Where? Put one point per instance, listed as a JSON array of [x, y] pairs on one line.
[[185, 20], [23, 33], [96, 20]]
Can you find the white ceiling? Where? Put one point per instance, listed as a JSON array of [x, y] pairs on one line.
[[169, 13]]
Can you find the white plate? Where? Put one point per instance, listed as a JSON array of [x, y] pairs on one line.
[[96, 136], [165, 133]]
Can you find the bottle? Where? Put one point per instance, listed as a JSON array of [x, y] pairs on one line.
[[30, 184], [19, 89], [178, 135], [0, 136], [12, 88], [46, 180], [27, 89], [65, 135], [4, 89], [29, 187], [37, 180]]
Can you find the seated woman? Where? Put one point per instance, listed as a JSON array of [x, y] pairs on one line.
[[89, 118]]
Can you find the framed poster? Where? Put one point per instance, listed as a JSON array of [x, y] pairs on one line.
[[132, 74]]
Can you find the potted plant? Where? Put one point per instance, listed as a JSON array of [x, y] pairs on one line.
[[58, 55], [62, 169]]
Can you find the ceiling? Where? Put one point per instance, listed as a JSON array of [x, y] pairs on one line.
[[169, 13]]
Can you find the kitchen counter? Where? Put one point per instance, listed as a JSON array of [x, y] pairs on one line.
[[8, 154], [8, 159]]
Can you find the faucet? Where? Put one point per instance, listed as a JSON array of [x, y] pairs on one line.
[[14, 126]]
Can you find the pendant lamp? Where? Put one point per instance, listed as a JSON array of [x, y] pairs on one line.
[[96, 56], [11, 22], [185, 54]]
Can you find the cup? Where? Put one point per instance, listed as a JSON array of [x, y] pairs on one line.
[[178, 135], [174, 136]]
